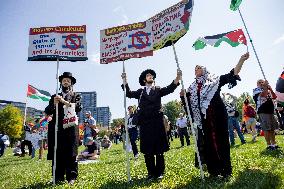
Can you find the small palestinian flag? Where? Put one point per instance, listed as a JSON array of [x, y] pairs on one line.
[[280, 89], [235, 4], [234, 38], [38, 94]]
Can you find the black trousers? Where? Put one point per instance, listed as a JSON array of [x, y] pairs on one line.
[[2, 147], [26, 143], [133, 134], [169, 134], [183, 133], [155, 168], [65, 165]]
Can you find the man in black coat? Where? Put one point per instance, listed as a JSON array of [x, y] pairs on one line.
[[153, 137], [68, 138]]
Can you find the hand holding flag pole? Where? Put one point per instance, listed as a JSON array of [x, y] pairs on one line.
[[189, 117]]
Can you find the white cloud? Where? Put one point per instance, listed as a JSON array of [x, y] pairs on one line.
[[121, 12], [279, 40]]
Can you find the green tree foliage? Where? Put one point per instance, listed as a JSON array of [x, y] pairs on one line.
[[172, 110], [117, 122], [11, 121]]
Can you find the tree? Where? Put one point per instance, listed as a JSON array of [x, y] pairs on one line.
[[11, 121], [172, 110], [116, 122]]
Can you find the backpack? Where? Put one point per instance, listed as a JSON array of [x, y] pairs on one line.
[[250, 112]]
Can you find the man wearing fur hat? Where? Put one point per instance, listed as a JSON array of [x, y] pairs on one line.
[[153, 137], [68, 138]]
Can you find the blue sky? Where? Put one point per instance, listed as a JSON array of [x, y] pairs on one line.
[[264, 20]]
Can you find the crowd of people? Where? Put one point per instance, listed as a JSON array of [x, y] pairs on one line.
[[216, 121]]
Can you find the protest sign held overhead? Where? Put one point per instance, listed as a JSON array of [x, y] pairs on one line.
[[66, 43], [124, 42], [171, 24]]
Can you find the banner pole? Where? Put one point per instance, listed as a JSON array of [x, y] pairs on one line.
[[252, 44], [126, 130], [189, 117], [56, 123]]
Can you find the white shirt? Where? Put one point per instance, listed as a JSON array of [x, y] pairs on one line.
[[148, 89], [129, 122], [181, 122]]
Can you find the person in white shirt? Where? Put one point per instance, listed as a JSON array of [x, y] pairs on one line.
[[27, 141], [181, 124], [132, 131]]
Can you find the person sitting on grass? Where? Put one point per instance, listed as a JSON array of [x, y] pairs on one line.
[[106, 143], [92, 152]]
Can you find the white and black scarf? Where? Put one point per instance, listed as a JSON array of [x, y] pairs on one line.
[[210, 84]]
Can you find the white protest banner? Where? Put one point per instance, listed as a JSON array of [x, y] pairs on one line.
[[171, 24], [65, 43], [124, 42]]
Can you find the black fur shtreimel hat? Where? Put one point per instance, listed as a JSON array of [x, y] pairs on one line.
[[67, 75], [142, 77]]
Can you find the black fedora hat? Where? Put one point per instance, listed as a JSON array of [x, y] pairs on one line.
[[143, 76], [67, 75]]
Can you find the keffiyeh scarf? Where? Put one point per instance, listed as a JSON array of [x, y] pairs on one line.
[[210, 84]]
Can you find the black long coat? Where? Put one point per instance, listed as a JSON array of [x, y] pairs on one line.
[[153, 137], [213, 141], [67, 139]]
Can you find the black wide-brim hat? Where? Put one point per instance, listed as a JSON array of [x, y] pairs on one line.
[[67, 75], [142, 77]]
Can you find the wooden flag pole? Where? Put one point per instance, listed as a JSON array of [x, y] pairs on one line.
[[56, 124], [252, 44], [126, 130], [189, 117]]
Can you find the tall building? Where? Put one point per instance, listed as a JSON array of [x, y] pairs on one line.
[[32, 112], [103, 116], [89, 103]]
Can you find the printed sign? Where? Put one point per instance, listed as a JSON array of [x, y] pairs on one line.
[[171, 24], [124, 42], [67, 43]]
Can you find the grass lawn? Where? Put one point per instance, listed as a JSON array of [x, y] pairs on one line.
[[253, 167]]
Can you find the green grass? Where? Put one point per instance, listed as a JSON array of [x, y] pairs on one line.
[[253, 167]]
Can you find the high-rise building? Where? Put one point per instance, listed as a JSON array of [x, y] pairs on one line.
[[32, 112], [103, 116], [89, 103]]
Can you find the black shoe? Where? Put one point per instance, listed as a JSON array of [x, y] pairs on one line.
[[150, 177], [243, 142], [270, 148], [276, 147]]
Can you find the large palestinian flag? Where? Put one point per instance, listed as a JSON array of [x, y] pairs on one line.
[[234, 38], [38, 94], [280, 89]]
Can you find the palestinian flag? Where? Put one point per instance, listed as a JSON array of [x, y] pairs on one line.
[[280, 89], [235, 4], [234, 38], [38, 94]]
